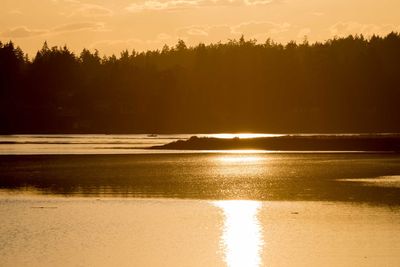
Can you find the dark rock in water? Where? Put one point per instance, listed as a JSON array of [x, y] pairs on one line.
[[382, 143]]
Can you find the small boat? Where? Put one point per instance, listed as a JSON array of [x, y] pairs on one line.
[[151, 135]]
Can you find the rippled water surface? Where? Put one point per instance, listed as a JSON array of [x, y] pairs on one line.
[[49, 231], [62, 204], [253, 176]]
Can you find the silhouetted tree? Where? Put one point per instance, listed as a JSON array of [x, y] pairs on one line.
[[349, 84]]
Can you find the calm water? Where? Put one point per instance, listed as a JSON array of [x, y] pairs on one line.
[[103, 144], [49, 231], [62, 203], [97, 143], [82, 144], [216, 176]]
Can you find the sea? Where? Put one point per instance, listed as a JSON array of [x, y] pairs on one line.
[[109, 200]]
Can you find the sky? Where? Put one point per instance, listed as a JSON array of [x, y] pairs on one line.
[[112, 26]]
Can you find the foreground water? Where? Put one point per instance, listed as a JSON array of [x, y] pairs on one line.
[[253, 208], [49, 231]]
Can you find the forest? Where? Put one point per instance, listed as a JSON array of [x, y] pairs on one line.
[[349, 84]]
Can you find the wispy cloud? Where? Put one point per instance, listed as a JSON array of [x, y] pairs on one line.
[[352, 27], [90, 10], [154, 5], [15, 12], [157, 5], [110, 46], [304, 32], [79, 26], [215, 33], [22, 32], [318, 14], [204, 33], [252, 28], [67, 1], [258, 2], [78, 8], [25, 32]]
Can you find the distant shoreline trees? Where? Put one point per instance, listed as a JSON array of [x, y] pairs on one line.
[[349, 84]]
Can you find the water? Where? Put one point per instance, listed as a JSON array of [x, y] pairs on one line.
[[106, 144], [51, 231], [254, 176], [83, 144], [68, 200], [97, 143]]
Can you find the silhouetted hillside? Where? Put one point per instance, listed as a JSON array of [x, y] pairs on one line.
[[342, 85]]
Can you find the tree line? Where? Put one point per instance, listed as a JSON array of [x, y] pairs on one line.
[[349, 84]]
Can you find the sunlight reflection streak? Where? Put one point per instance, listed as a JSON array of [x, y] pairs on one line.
[[242, 234], [242, 135], [239, 159]]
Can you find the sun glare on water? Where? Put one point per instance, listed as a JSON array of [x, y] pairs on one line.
[[241, 239], [242, 135], [239, 158]]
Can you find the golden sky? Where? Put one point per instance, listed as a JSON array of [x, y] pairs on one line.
[[111, 26]]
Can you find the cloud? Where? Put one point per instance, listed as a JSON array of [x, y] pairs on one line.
[[254, 28], [318, 14], [351, 27], [67, 1], [22, 32], [162, 5], [164, 36], [25, 32], [15, 12], [89, 10], [157, 5], [195, 30], [303, 32], [259, 30], [77, 8], [204, 33], [79, 26], [109, 47], [257, 2]]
